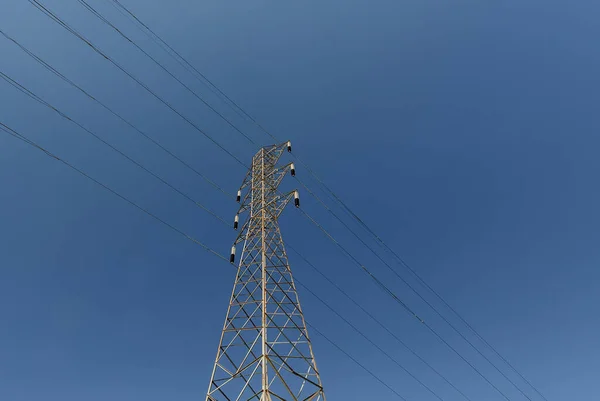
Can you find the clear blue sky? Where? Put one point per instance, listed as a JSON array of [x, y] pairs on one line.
[[465, 133]]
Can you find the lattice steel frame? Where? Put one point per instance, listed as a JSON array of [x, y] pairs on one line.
[[265, 352]]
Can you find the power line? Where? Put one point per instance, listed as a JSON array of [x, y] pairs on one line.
[[432, 307], [386, 354], [179, 57], [238, 109], [383, 326], [183, 62], [154, 35], [97, 14], [41, 7], [426, 285], [74, 32], [73, 84], [355, 361], [356, 329], [30, 142], [62, 114], [35, 97], [409, 310]]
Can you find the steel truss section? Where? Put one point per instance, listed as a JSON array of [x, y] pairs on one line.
[[265, 352]]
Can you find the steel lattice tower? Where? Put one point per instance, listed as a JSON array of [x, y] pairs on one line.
[[264, 353]]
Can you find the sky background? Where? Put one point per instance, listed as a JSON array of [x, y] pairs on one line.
[[464, 133]]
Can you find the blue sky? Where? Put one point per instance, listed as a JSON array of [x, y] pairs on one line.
[[464, 133]]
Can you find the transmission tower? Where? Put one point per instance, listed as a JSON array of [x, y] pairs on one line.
[[264, 353]]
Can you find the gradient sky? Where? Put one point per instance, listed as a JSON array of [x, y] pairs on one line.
[[465, 133]]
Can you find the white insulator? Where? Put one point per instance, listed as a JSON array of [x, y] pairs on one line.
[[236, 221], [232, 257], [239, 195], [293, 169], [289, 146], [296, 199]]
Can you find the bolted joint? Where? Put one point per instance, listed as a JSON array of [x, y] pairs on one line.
[[296, 199]]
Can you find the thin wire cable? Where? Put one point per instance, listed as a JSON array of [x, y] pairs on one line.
[[28, 141], [73, 84], [178, 58], [418, 294], [45, 103], [363, 335], [35, 97], [32, 95], [460, 317], [181, 60], [74, 32], [102, 18], [330, 341], [353, 215], [382, 325], [386, 289], [386, 354], [240, 111], [47, 12]]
